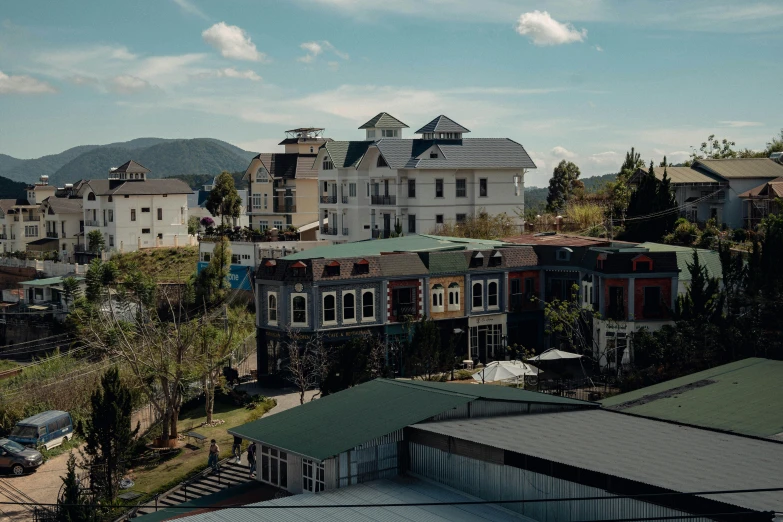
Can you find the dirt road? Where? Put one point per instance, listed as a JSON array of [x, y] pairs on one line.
[[42, 486]]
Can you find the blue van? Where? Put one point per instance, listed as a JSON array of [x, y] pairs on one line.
[[48, 429]]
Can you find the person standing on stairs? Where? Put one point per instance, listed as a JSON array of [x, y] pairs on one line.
[[214, 451], [251, 458], [236, 449]]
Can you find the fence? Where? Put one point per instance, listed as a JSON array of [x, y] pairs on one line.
[[582, 389], [50, 268]]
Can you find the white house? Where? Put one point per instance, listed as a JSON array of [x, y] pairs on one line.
[[134, 212], [366, 187], [20, 219]]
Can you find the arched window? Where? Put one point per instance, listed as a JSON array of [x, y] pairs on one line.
[[381, 162], [437, 298], [349, 307], [299, 305], [272, 308], [478, 295], [492, 294], [311, 150], [91, 196], [454, 296], [368, 305], [330, 314]]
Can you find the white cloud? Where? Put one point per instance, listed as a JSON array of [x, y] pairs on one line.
[[315, 49], [232, 42], [230, 72], [598, 48], [561, 152], [23, 84], [542, 29], [604, 158], [739, 124], [188, 7], [127, 84]]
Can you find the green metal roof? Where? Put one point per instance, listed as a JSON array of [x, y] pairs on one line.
[[410, 243], [48, 281], [336, 423], [744, 397], [708, 258]]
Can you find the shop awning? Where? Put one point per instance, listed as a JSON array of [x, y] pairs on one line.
[[42, 245]]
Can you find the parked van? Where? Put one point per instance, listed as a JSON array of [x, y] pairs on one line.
[[48, 429]]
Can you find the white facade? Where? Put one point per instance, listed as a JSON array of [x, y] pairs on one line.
[[367, 198]]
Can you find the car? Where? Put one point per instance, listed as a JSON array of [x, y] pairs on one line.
[[17, 458]]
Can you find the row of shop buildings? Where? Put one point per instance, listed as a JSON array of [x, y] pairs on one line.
[[485, 296]]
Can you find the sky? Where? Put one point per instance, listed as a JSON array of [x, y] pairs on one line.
[[582, 80]]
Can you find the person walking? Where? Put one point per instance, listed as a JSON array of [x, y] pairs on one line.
[[214, 452], [236, 449], [251, 458]]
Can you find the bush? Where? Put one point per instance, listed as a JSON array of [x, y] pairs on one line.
[[739, 235], [463, 375], [596, 231], [708, 235], [583, 215], [685, 233]]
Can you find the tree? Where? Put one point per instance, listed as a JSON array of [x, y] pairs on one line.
[[108, 433], [212, 284], [651, 209], [715, 148], [618, 191], [425, 355], [775, 144], [73, 505], [570, 322], [193, 225], [95, 241], [309, 362], [703, 301], [562, 185], [361, 359], [99, 276], [71, 290], [224, 201]]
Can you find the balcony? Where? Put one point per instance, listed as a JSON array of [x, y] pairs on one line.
[[52, 234], [3, 236], [329, 231], [92, 223], [381, 234], [383, 200], [616, 313], [345, 231], [28, 217], [403, 310], [344, 199], [283, 208], [329, 200], [83, 249]]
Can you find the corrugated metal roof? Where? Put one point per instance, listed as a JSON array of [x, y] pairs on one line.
[[558, 240], [48, 281], [684, 175], [665, 455], [394, 265], [708, 258], [442, 124], [466, 153], [132, 167], [741, 167], [401, 490], [743, 397], [385, 120], [64, 205], [346, 154], [328, 426], [771, 189]]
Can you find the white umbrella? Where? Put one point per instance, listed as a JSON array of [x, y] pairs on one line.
[[505, 370], [553, 354]]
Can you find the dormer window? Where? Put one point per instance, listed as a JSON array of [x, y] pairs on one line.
[[433, 155], [328, 165], [298, 269], [496, 259], [370, 134], [381, 162], [362, 267], [262, 175], [390, 133], [599, 262], [91, 196], [564, 254], [642, 263], [477, 260], [333, 268]]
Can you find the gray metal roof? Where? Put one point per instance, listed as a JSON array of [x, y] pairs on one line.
[[385, 120], [442, 124], [741, 167], [401, 490], [132, 167], [679, 175], [105, 187], [669, 456], [470, 153], [64, 205], [346, 154]]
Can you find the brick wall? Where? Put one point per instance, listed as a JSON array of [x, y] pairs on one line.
[[525, 274], [665, 284], [608, 283], [416, 283], [446, 281]]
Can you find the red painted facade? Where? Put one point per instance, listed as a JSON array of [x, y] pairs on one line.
[[608, 284], [665, 285], [391, 307], [526, 304]]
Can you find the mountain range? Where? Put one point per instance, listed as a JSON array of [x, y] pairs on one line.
[[164, 157]]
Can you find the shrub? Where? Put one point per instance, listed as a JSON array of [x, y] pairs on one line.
[[463, 375], [685, 233], [584, 215], [740, 235]]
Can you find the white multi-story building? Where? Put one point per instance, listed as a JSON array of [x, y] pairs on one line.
[[284, 186], [20, 219], [366, 187], [134, 212]]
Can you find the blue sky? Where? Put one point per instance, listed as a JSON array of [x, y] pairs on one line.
[[577, 79]]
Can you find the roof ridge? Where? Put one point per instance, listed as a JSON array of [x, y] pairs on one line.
[[413, 384]]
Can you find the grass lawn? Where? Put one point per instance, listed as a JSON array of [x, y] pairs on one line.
[[188, 462], [7, 365], [163, 264]]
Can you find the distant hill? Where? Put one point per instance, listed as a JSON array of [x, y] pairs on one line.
[[10, 189], [596, 183], [535, 197], [164, 157]]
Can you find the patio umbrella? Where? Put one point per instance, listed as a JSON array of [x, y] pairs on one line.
[[553, 354], [504, 371]]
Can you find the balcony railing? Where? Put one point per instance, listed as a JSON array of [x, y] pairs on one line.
[[381, 234], [3, 236], [83, 249], [344, 199], [345, 231], [27, 217], [329, 231], [383, 200], [285, 209], [92, 223], [52, 234], [402, 310], [616, 313], [329, 200]]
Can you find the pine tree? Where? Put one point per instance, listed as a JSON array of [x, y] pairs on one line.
[[651, 208], [211, 284], [703, 302], [73, 506], [108, 433]]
